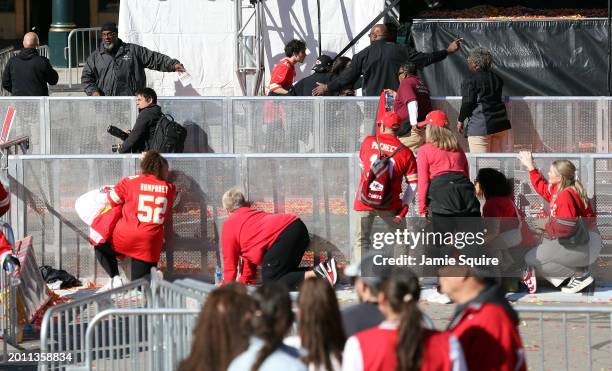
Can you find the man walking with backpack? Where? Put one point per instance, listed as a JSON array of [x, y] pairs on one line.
[[384, 162], [153, 130], [149, 114]]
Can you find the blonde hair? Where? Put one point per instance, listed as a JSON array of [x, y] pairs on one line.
[[233, 199], [567, 171], [442, 138]]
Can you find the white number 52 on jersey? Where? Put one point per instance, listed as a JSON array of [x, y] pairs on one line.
[[152, 209]]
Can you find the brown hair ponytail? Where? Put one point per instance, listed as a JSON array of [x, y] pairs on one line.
[[402, 291], [272, 319]]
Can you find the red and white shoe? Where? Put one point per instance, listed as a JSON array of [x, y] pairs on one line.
[[529, 279], [327, 271]]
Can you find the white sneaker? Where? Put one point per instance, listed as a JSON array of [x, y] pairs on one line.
[[439, 298], [113, 283], [577, 284]]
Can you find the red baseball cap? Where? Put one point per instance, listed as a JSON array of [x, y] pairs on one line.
[[390, 120], [435, 118]]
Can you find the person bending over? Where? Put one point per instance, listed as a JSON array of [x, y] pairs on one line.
[[276, 242], [145, 220]]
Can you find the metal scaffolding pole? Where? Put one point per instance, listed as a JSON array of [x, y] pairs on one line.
[[249, 45]]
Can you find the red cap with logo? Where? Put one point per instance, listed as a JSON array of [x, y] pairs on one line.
[[390, 120], [435, 118]]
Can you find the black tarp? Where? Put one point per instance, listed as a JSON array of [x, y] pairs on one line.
[[534, 57]]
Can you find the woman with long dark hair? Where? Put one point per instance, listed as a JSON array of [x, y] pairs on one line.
[[401, 342], [271, 322], [321, 336], [222, 331], [563, 258]]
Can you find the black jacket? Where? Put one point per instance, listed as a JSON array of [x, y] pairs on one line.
[[124, 72], [143, 130], [379, 64], [303, 88], [28, 73], [482, 103], [452, 194]]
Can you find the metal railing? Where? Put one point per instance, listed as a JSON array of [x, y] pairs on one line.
[[569, 344], [63, 327], [139, 339], [319, 188], [76, 125], [81, 43]]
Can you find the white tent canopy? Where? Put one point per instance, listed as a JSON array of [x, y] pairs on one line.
[[202, 35]]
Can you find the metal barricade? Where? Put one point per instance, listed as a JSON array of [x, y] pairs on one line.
[[5, 55], [554, 321], [72, 125], [138, 339], [81, 42], [63, 326]]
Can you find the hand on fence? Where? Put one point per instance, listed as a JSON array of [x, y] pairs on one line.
[[526, 159]]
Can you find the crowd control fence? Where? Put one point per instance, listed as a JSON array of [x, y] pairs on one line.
[[563, 337], [319, 188], [77, 125], [65, 327]]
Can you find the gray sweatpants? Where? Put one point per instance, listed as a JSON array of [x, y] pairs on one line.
[[556, 263]]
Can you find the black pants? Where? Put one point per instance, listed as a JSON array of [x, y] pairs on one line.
[[281, 262], [107, 258]]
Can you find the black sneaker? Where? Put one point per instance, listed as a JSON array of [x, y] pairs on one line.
[[577, 284]]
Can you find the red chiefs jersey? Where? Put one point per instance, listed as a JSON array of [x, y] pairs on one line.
[[146, 206], [283, 74], [563, 211], [404, 164], [375, 350]]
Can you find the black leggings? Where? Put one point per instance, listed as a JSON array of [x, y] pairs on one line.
[[107, 258], [281, 262]]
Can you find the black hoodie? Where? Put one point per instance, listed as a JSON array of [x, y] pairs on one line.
[[28, 73]]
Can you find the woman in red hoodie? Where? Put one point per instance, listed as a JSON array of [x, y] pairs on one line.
[[558, 263]]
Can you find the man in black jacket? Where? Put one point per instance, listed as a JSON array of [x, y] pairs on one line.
[[379, 63], [117, 68], [28, 73], [322, 74], [149, 114]]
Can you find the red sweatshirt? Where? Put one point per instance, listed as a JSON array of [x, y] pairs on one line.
[[487, 328], [248, 234], [563, 212], [433, 161]]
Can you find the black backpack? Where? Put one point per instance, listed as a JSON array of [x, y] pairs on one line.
[[168, 136]]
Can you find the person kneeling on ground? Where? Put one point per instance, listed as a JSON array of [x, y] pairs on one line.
[[142, 207], [484, 322], [571, 243], [276, 242]]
